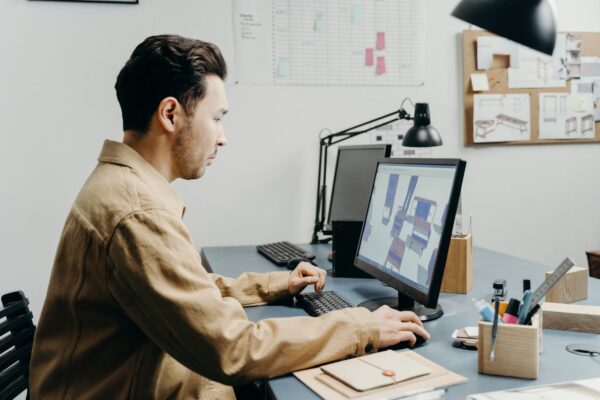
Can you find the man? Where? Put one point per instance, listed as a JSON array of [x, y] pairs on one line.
[[130, 311]]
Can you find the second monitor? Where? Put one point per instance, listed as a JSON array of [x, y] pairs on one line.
[[354, 172], [407, 229]]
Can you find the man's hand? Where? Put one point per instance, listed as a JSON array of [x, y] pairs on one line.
[[306, 274], [398, 326]]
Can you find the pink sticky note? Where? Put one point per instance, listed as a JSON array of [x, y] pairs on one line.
[[380, 68], [369, 57], [380, 43]]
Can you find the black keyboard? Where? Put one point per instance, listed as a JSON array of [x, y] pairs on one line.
[[321, 303], [281, 253]]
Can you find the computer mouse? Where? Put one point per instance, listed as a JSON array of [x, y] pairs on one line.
[[406, 344], [293, 263]]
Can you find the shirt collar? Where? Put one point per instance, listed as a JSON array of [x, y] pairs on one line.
[[121, 154]]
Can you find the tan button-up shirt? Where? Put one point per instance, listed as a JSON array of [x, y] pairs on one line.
[[131, 313]]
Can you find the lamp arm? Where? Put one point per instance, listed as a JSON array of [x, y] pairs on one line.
[[334, 138]]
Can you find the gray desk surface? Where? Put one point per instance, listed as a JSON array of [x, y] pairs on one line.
[[556, 364]]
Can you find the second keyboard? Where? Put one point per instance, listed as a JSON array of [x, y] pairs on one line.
[[317, 304]]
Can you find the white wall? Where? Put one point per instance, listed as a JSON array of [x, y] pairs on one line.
[[58, 65]]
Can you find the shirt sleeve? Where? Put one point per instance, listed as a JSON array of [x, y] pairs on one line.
[[155, 275], [253, 289]]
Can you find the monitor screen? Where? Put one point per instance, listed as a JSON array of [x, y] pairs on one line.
[[354, 173], [407, 229]]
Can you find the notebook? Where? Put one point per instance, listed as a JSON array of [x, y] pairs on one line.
[[330, 388], [375, 370]]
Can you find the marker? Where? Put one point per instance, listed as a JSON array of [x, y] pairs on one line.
[[531, 314], [525, 307], [511, 316]]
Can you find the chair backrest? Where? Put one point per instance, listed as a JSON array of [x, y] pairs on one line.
[[594, 263], [16, 341]]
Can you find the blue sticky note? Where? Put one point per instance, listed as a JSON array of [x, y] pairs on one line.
[[356, 13], [283, 67], [319, 21]]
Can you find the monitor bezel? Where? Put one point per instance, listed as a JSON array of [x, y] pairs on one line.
[[327, 228], [430, 298]]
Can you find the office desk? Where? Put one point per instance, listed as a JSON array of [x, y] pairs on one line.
[[556, 364]]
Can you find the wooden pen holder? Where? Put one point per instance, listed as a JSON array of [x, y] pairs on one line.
[[517, 349], [458, 272]]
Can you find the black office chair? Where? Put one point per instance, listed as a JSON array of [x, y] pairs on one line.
[[16, 341]]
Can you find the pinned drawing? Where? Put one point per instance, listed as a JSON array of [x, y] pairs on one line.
[[589, 82], [566, 116], [489, 46], [501, 118], [568, 54], [534, 70]]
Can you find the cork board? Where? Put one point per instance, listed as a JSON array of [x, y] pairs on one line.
[[498, 83]]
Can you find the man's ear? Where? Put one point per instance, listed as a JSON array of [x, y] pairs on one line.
[[170, 113]]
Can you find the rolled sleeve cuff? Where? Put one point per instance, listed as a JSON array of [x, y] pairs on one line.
[[368, 330], [278, 285]]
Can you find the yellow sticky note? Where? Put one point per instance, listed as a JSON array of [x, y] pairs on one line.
[[579, 103], [479, 81]]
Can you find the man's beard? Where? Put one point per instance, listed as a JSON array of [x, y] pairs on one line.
[[183, 155]]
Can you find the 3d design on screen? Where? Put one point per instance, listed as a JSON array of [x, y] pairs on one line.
[[415, 199]]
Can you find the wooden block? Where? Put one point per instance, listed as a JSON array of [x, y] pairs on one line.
[[573, 286], [458, 272], [517, 350], [571, 317]]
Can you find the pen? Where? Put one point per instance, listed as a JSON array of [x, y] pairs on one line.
[[531, 314]]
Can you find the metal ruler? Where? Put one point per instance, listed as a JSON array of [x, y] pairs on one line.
[[550, 281]]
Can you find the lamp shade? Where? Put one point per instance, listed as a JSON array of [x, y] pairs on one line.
[[422, 134], [531, 23]]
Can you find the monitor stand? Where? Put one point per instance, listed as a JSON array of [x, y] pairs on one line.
[[405, 303]]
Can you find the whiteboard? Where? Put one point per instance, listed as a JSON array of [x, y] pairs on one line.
[[329, 42]]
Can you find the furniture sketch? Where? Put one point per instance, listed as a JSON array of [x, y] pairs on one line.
[[550, 109], [587, 124], [490, 104], [512, 122], [571, 125], [563, 105], [573, 47], [517, 105], [545, 69], [484, 127]]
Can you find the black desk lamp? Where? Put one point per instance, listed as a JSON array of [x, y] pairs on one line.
[[528, 22], [422, 134]]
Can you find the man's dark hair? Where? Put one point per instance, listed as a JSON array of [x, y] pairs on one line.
[[163, 66]]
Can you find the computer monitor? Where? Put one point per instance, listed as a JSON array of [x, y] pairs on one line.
[[352, 182], [406, 232]]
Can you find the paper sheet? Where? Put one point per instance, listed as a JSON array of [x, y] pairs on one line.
[[588, 389], [488, 46], [393, 134], [334, 42], [566, 116], [501, 118], [479, 81]]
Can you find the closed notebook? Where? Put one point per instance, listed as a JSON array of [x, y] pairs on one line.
[[375, 370]]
